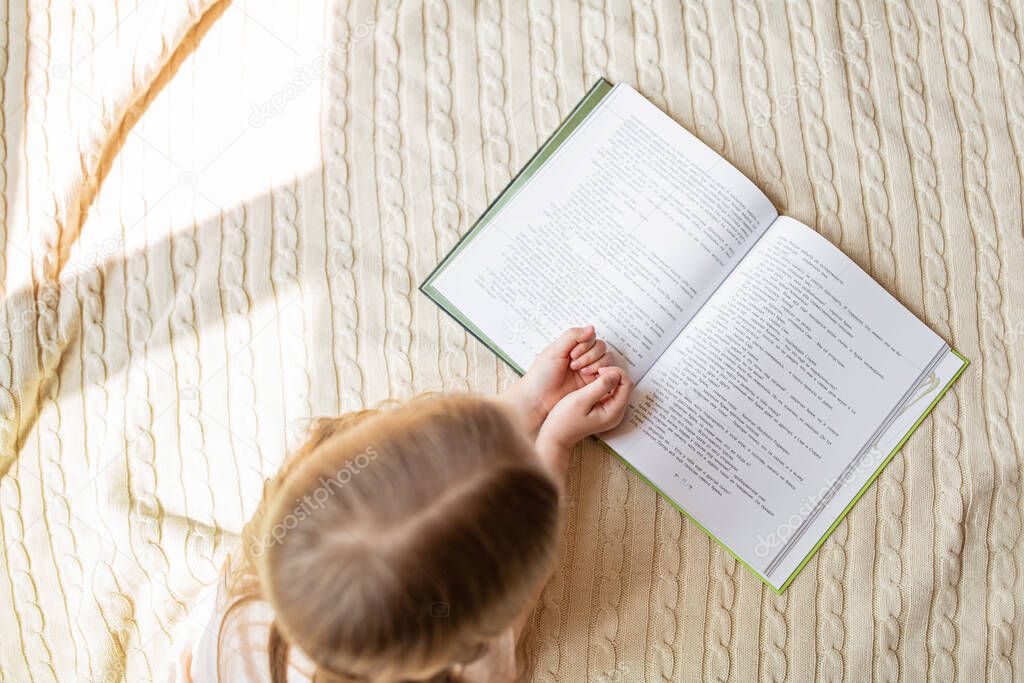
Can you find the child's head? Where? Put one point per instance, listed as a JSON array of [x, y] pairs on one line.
[[397, 543]]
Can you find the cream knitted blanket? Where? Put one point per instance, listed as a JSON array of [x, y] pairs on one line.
[[215, 216]]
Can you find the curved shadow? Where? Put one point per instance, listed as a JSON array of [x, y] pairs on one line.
[[79, 203], [36, 306]]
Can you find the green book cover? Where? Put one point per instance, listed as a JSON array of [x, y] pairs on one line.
[[572, 123]]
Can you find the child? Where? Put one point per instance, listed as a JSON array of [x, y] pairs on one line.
[[409, 543]]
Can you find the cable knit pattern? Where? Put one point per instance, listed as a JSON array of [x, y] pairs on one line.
[[942, 627], [199, 505], [666, 593], [113, 605], [444, 182], [809, 75], [215, 215], [648, 64], [702, 76], [492, 75], [1008, 54], [888, 571], [758, 103], [236, 307], [8, 399], [594, 34], [52, 490], [288, 289], [391, 200], [829, 607], [721, 599], [774, 665], [863, 109], [340, 229], [35, 650], [1004, 520], [608, 587], [544, 68], [145, 516]]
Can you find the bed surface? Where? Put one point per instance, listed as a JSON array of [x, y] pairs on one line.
[[216, 215]]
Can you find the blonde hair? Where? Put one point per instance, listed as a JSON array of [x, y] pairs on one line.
[[397, 543]]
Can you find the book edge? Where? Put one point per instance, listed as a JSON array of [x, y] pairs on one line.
[[671, 501], [871, 480], [602, 87]]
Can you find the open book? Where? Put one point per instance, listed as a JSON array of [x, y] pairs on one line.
[[775, 379]]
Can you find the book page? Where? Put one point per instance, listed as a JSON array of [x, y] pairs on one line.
[[629, 226], [758, 411]]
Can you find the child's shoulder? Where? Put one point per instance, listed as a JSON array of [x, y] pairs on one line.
[[243, 640]]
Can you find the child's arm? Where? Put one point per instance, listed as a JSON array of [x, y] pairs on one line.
[[593, 409], [571, 362]]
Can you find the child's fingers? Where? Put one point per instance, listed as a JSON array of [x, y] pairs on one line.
[[582, 348], [599, 349], [567, 343], [589, 373], [592, 394], [615, 405], [625, 384]]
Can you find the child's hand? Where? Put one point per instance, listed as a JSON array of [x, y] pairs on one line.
[[592, 409], [567, 364]]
